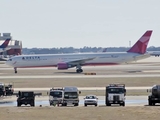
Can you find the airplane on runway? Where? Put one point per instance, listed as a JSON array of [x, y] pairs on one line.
[[66, 61], [4, 45]]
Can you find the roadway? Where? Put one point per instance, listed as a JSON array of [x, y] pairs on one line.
[[43, 100]]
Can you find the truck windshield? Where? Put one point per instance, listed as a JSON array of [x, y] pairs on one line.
[[27, 94], [115, 90], [70, 95], [57, 94], [1, 86]]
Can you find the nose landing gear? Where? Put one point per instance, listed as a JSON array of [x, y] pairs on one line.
[[15, 70]]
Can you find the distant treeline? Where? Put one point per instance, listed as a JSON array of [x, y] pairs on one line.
[[78, 50]]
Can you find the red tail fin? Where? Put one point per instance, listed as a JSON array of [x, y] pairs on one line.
[[141, 45]]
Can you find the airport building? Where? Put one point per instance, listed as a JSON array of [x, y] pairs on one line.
[[14, 45]]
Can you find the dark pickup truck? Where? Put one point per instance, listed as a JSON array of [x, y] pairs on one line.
[[26, 97]]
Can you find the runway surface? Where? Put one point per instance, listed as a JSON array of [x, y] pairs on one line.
[[144, 68], [80, 76], [80, 88]]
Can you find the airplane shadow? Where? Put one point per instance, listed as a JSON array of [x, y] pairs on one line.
[[110, 106], [68, 73], [133, 71], [152, 105]]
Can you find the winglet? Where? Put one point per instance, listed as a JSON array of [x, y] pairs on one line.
[[5, 43], [141, 45]]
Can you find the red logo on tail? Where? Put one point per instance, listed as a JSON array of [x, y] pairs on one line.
[[141, 45]]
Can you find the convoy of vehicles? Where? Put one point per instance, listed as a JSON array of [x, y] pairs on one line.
[[115, 94], [90, 100]]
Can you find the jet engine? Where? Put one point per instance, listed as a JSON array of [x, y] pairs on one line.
[[63, 66]]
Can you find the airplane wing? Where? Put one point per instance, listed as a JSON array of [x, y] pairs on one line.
[[73, 63], [81, 61]]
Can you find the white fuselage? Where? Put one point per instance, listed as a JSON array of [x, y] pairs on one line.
[[49, 60]]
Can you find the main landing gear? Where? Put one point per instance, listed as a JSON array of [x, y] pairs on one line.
[[79, 69], [15, 70]]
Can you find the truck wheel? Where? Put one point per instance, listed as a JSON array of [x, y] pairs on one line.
[[76, 104], [149, 102], [85, 105], [18, 104], [95, 104], [123, 104], [153, 104], [108, 104], [65, 104], [32, 104]]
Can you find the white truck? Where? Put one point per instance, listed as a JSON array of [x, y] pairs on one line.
[[115, 94], [56, 96], [71, 96]]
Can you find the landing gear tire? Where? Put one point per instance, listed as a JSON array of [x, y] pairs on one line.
[[122, 104], [79, 70], [15, 70], [76, 104]]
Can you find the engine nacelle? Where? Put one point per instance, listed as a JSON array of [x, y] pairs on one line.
[[62, 66]]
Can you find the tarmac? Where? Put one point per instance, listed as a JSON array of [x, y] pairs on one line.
[[43, 100], [144, 68]]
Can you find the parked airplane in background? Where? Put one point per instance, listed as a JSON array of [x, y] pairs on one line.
[[103, 50], [65, 61], [154, 53], [4, 45]]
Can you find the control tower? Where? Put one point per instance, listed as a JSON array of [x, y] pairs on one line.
[[15, 45]]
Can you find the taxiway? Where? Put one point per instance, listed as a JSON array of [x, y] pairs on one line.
[[144, 68]]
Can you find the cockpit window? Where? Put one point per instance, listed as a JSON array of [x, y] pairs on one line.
[[10, 59]]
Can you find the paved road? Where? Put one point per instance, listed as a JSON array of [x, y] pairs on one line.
[[80, 88], [79, 76]]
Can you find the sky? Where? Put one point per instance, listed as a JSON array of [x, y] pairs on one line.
[[79, 23]]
